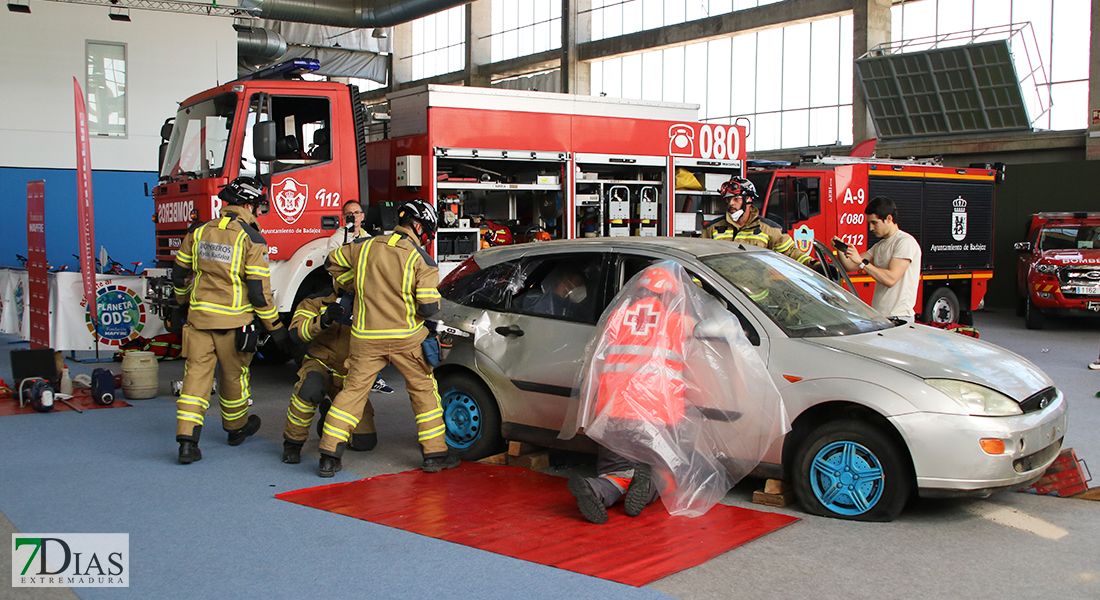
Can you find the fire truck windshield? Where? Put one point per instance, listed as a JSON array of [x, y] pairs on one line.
[[200, 139], [1070, 237]]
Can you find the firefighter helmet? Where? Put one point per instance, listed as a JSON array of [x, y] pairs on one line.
[[419, 210], [739, 186], [243, 190], [659, 280]]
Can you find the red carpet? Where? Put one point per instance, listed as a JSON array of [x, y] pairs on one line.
[[10, 406], [531, 516]]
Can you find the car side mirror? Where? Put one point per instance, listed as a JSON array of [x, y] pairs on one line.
[[1022, 246], [263, 140]]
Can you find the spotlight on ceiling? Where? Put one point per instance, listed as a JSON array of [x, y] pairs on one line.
[[379, 32], [120, 14], [242, 25], [19, 8]]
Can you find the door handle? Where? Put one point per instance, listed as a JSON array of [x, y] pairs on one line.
[[510, 330]]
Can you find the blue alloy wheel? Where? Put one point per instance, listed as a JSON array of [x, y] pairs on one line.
[[847, 478], [462, 415]]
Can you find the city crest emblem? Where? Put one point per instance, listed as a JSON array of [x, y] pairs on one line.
[[958, 219], [804, 239], [290, 199]]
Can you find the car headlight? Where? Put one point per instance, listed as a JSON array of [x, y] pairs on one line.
[[976, 399], [1047, 269]]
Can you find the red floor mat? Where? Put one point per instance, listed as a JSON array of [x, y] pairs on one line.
[[531, 516], [10, 406]]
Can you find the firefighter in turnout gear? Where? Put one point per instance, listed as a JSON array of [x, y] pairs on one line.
[[742, 223], [221, 276], [319, 323], [394, 281]]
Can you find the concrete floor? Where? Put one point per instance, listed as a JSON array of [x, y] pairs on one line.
[[1011, 544]]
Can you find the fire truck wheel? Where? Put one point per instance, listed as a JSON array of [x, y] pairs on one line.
[[1033, 317], [941, 307], [471, 415]]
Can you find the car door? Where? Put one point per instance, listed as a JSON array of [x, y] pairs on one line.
[[532, 351]]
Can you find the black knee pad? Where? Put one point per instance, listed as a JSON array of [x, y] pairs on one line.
[[362, 442], [313, 388]]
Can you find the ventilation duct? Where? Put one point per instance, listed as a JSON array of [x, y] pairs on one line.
[[260, 45], [349, 13]]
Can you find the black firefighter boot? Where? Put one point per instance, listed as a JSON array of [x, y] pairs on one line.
[[329, 466], [237, 436], [189, 452], [292, 452]]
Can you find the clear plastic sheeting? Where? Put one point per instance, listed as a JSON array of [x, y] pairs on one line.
[[671, 381]]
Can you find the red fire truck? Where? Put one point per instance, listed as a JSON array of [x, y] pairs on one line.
[[948, 210], [501, 165], [1059, 268]]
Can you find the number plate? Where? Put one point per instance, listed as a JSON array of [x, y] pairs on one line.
[[1088, 290]]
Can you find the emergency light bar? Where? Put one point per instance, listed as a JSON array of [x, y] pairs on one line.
[[285, 70]]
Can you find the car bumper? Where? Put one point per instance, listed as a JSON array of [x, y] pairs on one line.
[[949, 461]]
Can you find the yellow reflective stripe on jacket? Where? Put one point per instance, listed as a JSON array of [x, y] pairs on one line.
[[340, 259], [428, 416], [270, 313], [407, 292], [184, 259], [750, 237], [431, 433], [724, 235], [428, 294], [251, 270], [805, 258], [784, 246], [339, 434], [344, 416], [235, 269], [220, 309]]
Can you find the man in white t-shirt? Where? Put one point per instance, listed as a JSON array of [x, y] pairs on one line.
[[893, 262], [353, 226]]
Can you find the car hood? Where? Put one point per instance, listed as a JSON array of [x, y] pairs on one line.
[[1072, 257], [931, 353]]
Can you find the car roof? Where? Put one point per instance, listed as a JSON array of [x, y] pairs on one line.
[[683, 246]]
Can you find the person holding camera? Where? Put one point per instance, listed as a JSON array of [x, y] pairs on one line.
[[352, 229], [893, 261], [221, 277]]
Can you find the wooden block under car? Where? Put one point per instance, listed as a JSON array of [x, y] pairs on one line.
[[776, 486], [521, 448], [776, 500], [496, 459], [534, 461]]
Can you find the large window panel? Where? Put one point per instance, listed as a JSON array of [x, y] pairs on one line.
[[438, 43], [673, 74], [796, 66], [695, 82], [846, 61], [105, 88], [845, 124], [825, 63], [767, 133], [1069, 105], [613, 78], [744, 78], [1070, 48], [769, 77], [652, 76], [524, 27], [823, 126], [718, 84], [632, 76], [796, 127], [632, 16]]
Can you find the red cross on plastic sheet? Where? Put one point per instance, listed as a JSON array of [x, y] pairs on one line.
[[641, 320]]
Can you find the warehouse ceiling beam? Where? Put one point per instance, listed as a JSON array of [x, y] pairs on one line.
[[191, 8]]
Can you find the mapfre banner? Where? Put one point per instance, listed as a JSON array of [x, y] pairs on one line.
[[85, 212], [120, 301]]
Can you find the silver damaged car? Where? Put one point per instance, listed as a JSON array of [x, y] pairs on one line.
[[879, 409]]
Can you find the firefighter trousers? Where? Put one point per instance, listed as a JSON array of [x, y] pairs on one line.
[[315, 381], [613, 480], [205, 349], [367, 358]]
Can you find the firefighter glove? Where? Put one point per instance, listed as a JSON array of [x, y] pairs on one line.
[[282, 340], [332, 313]]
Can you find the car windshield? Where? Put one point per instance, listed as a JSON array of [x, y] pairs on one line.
[[1070, 237], [200, 139], [800, 302]]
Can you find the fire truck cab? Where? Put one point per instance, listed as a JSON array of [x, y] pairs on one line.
[[1059, 268]]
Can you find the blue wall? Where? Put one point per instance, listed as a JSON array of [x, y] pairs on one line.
[[123, 215]]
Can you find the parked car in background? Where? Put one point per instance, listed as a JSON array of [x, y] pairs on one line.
[[878, 408], [1059, 268]]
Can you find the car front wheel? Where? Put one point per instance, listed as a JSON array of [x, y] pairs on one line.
[[1033, 317], [471, 415], [851, 470]]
